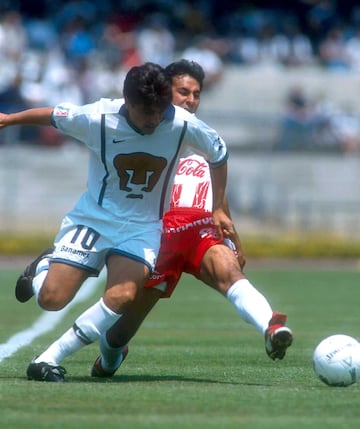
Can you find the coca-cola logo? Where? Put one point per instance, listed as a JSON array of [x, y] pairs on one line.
[[192, 167]]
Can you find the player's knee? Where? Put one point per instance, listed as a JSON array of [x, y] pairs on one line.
[[52, 300], [220, 268], [119, 297], [224, 284]]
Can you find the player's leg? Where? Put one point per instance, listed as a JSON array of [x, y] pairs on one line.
[[24, 285], [126, 327], [220, 269], [56, 275], [161, 284], [60, 285], [114, 343], [125, 277], [54, 284]]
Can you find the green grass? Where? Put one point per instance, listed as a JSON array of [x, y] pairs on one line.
[[194, 363]]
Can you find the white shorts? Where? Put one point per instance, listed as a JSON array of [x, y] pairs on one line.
[[88, 246]]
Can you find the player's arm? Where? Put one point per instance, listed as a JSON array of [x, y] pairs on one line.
[[235, 237], [222, 221], [36, 116]]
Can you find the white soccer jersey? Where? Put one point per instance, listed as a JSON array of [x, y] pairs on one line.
[[192, 184], [130, 174]]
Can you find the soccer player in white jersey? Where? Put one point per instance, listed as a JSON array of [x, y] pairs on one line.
[[134, 150], [190, 244]]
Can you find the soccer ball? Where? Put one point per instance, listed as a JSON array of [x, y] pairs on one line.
[[336, 360]]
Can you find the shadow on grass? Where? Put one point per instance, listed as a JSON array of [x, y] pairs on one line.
[[144, 378], [134, 378]]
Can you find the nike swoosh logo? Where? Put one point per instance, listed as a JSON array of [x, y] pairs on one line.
[[118, 141], [79, 333]]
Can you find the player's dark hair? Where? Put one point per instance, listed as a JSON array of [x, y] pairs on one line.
[[183, 67], [148, 84]]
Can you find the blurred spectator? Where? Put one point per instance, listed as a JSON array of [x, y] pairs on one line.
[[268, 46], [288, 47], [87, 11], [41, 34], [155, 42], [117, 44], [296, 123], [47, 79], [352, 49], [77, 41], [321, 16], [293, 48], [194, 22], [246, 50], [11, 99], [347, 129], [203, 52], [317, 124], [332, 51], [13, 37], [81, 50], [334, 129], [13, 42]]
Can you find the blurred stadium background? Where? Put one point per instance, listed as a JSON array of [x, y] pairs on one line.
[[283, 90]]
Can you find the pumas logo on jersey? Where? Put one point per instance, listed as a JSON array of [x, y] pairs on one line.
[[139, 172]]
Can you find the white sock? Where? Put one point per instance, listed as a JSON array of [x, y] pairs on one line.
[[86, 329], [252, 306], [95, 321], [40, 274], [67, 344], [111, 357]]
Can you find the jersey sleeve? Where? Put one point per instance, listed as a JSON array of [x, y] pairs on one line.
[[205, 141], [79, 121], [74, 121]]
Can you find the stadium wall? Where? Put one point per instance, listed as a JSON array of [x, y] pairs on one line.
[[309, 192], [271, 193]]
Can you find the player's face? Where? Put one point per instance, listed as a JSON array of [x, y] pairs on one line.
[[186, 92], [144, 118]]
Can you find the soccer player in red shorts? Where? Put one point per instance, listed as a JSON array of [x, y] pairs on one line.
[[190, 244]]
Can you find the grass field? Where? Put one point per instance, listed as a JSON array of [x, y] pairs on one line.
[[194, 363]]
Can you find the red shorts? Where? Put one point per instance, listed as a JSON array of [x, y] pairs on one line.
[[187, 235]]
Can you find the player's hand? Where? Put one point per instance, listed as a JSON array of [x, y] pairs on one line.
[[223, 224], [234, 237], [242, 260], [3, 117]]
